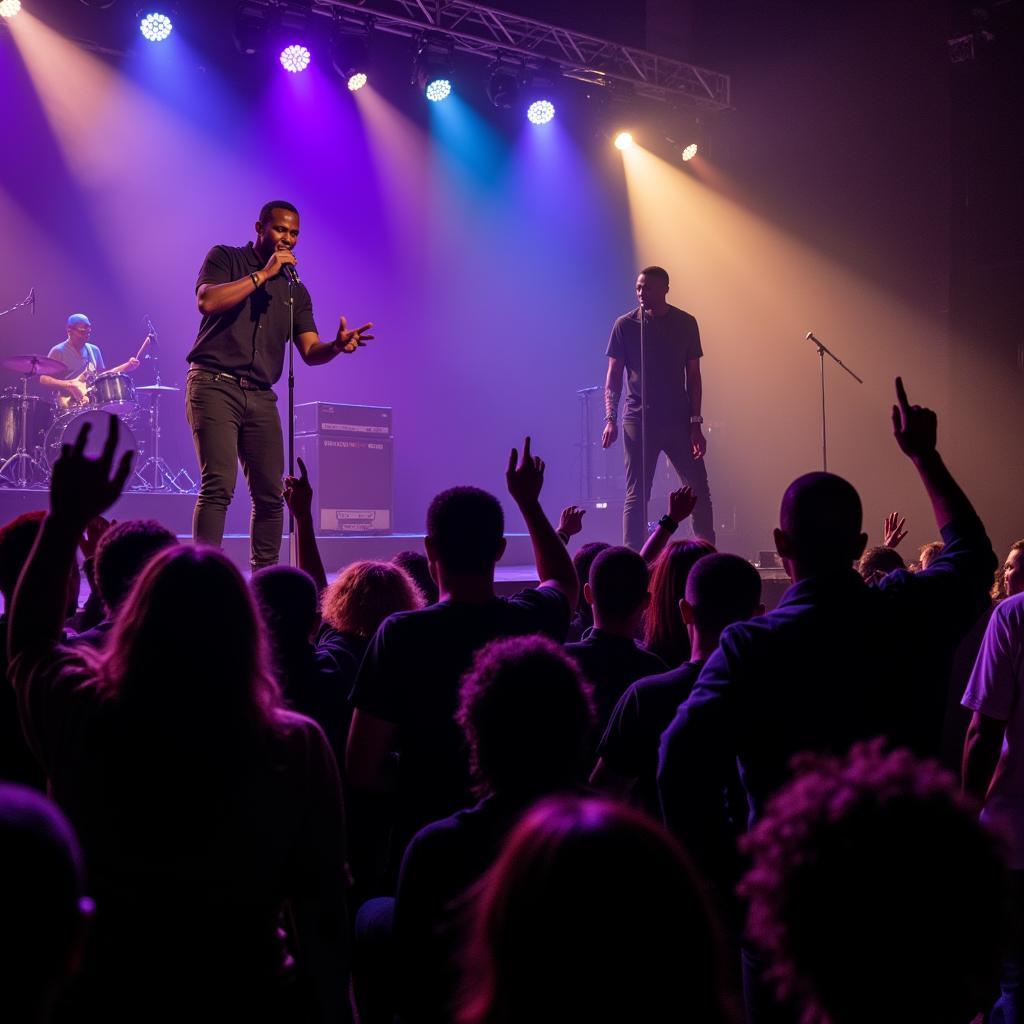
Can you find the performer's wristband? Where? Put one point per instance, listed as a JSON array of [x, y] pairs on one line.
[[562, 536], [669, 523], [696, 419], [611, 418], [255, 280]]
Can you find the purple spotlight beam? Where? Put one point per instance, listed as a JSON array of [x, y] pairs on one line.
[[295, 58]]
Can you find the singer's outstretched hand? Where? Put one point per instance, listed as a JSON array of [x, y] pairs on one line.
[[349, 341]]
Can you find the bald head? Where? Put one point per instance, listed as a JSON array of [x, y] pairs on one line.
[[820, 524]]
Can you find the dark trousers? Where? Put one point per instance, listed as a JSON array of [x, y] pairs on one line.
[[1009, 1008], [674, 440], [232, 424]]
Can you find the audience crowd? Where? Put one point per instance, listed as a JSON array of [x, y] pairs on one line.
[[628, 793]]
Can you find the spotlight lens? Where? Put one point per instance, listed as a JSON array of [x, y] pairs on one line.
[[9, 8], [155, 27], [540, 112], [439, 89], [356, 81], [690, 152], [295, 58], [623, 140]]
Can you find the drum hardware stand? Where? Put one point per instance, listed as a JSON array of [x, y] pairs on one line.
[[154, 474], [22, 460]]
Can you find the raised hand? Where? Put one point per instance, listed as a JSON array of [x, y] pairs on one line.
[[349, 341], [525, 477], [298, 493], [893, 530], [914, 427], [570, 522], [278, 259], [93, 532], [681, 503], [82, 488]]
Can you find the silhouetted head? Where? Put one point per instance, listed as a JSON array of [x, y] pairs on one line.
[[365, 594], [582, 561], [465, 532], [876, 563], [288, 601], [618, 585], [592, 913], [122, 553], [1010, 575], [42, 891], [819, 525], [188, 648], [929, 552], [875, 891], [417, 565], [527, 716], [17, 539], [720, 590]]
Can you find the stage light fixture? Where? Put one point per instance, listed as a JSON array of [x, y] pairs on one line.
[[9, 8], [295, 58], [350, 55], [155, 26], [540, 112], [624, 140], [432, 71], [504, 85], [690, 151]]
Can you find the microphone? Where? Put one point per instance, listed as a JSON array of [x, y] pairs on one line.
[[810, 337], [291, 274]]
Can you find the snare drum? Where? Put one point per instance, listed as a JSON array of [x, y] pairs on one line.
[[114, 393], [66, 428]]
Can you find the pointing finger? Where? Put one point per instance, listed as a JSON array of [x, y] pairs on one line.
[[513, 458], [303, 475], [901, 394]]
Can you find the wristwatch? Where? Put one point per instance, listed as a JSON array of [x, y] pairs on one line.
[[696, 419]]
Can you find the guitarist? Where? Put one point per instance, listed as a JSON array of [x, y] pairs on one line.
[[83, 361]]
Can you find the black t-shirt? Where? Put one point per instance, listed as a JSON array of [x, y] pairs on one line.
[[630, 742], [410, 677], [610, 664], [670, 342], [249, 339]]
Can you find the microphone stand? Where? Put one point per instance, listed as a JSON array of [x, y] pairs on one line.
[[822, 352], [643, 423], [292, 552], [29, 300]]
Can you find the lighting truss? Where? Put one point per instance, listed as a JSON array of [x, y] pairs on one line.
[[476, 29]]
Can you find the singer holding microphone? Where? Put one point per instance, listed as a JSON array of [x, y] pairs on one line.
[[658, 347], [243, 296]]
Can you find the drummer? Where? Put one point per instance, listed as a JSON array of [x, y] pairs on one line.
[[82, 359]]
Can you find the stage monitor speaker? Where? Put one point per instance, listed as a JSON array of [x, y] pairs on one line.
[[352, 480]]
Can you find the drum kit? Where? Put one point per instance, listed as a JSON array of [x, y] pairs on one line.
[[33, 429]]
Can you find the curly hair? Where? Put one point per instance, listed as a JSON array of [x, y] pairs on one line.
[[875, 891], [664, 630], [527, 715], [365, 594], [999, 586], [876, 563]]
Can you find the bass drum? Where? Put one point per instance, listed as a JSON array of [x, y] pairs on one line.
[[66, 428]]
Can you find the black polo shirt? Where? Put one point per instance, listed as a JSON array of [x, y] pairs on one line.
[[249, 339], [670, 342]]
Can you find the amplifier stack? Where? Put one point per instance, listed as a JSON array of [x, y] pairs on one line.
[[349, 452]]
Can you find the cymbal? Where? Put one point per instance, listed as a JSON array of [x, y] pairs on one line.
[[157, 387], [33, 365]]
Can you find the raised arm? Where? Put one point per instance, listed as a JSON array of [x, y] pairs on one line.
[[680, 504], [80, 490], [915, 429], [298, 496], [525, 478], [219, 298]]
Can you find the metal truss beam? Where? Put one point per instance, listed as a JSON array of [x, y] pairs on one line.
[[482, 31]]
